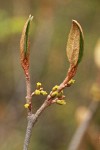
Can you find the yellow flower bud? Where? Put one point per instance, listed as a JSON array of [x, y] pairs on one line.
[[38, 85], [61, 102], [60, 94], [71, 81], [37, 92], [26, 105], [55, 88], [54, 94], [43, 92]]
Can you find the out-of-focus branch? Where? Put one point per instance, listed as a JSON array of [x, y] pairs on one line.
[[80, 132], [94, 137]]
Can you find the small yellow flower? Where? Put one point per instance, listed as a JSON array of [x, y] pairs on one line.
[[26, 105], [37, 92], [38, 85], [43, 92], [54, 94], [55, 88], [71, 81], [60, 94], [61, 102]]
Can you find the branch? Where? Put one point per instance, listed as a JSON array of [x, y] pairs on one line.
[[74, 53], [32, 118], [28, 97], [93, 136]]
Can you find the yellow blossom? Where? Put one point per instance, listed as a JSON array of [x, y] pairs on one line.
[[54, 94], [37, 92], [55, 88], [43, 92], [71, 81], [61, 102], [26, 105], [38, 85], [60, 94]]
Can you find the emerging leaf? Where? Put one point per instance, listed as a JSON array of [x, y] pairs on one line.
[[24, 45], [75, 44]]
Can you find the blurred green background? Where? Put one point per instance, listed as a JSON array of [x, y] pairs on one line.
[[49, 32]]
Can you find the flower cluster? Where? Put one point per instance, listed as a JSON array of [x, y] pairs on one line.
[[72, 81], [39, 90], [59, 95], [56, 95]]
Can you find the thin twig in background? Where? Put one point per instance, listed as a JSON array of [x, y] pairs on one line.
[[81, 130]]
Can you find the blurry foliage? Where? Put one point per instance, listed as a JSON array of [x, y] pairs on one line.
[[10, 25], [56, 124]]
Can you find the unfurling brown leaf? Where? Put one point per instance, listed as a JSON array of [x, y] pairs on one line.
[[75, 44], [24, 45]]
